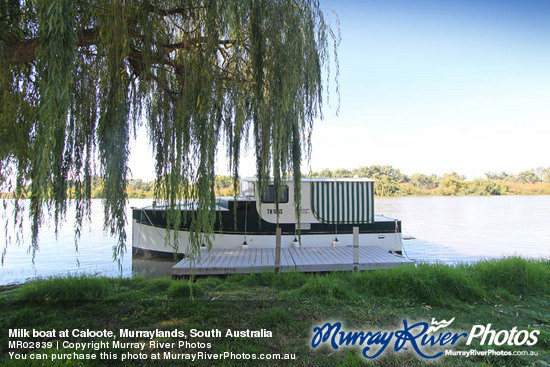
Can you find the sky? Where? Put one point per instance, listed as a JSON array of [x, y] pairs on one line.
[[430, 87]]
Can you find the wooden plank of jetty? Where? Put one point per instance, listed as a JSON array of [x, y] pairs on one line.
[[304, 259], [320, 259], [374, 257]]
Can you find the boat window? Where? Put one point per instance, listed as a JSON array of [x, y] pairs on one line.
[[247, 188], [269, 196]]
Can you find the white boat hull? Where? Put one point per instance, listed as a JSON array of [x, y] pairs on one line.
[[150, 239]]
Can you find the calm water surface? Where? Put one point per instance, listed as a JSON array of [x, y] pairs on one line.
[[451, 229], [446, 229]]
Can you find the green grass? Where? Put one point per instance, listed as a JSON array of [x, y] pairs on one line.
[[507, 293]]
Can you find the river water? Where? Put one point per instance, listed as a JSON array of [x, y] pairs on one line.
[[445, 229]]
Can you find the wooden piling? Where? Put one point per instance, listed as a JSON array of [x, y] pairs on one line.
[[355, 248], [277, 248]]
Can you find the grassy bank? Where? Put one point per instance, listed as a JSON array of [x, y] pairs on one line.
[[505, 293]]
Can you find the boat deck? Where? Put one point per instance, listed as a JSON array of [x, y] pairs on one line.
[[306, 259]]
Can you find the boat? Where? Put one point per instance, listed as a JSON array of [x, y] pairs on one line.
[[330, 208]]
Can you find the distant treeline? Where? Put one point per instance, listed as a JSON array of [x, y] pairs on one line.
[[391, 182]]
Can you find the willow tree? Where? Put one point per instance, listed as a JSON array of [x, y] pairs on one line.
[[77, 78]]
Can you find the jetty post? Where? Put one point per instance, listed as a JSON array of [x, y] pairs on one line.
[[278, 249], [355, 248]]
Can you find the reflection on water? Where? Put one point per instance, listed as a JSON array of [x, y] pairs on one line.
[[446, 229], [60, 256], [152, 267]]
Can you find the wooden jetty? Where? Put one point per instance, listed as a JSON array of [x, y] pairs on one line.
[[305, 259]]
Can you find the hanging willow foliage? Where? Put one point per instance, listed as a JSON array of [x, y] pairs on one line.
[[78, 77]]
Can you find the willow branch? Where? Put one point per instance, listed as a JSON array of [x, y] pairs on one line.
[[25, 51]]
